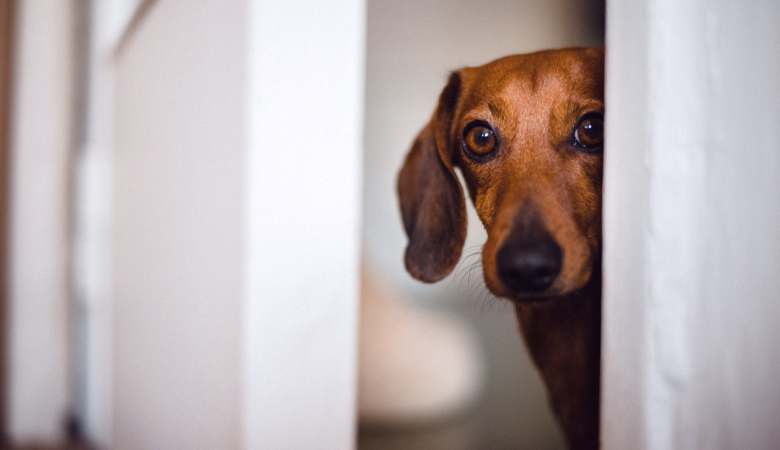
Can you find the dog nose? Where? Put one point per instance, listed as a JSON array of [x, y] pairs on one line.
[[529, 266]]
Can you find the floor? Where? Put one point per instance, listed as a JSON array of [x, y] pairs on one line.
[[71, 446]]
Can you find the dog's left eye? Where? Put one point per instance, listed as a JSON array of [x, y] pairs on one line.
[[589, 132], [479, 140]]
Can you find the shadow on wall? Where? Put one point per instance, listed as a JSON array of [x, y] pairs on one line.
[[411, 48]]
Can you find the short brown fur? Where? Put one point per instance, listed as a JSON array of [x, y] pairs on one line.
[[537, 180]]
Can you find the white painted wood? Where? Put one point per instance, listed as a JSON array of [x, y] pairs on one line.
[[305, 79], [42, 140], [692, 226]]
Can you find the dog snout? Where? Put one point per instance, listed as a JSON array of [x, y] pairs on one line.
[[530, 265]]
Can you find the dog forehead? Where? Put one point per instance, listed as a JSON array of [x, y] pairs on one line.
[[548, 74], [533, 88]]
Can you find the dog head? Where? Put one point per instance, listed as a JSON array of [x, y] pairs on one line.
[[526, 132]]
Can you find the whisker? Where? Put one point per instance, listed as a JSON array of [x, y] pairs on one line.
[[476, 265], [462, 270], [491, 301], [469, 248]]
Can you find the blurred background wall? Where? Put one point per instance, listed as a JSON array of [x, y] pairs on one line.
[[412, 46]]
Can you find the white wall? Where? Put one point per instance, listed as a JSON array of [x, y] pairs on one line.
[[39, 383], [692, 226], [177, 234]]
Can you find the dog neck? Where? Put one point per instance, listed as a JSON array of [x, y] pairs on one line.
[[563, 336]]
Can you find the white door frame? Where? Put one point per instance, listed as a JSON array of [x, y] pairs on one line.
[[692, 225]]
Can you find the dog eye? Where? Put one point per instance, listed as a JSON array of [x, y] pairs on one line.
[[589, 132], [480, 140]]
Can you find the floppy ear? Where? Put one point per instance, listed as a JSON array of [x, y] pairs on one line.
[[432, 202]]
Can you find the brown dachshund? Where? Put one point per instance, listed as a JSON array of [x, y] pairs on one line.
[[527, 133]]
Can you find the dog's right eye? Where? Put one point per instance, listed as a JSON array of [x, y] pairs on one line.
[[479, 140]]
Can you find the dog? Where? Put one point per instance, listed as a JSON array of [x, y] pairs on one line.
[[526, 132]]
